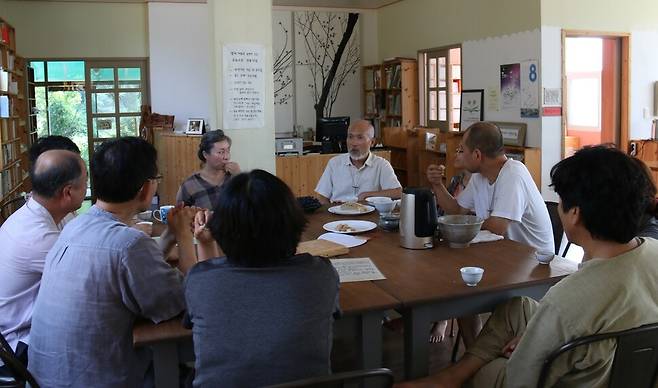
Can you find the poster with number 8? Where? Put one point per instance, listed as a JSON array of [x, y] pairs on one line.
[[529, 89]]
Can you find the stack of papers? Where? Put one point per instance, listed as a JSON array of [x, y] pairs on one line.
[[356, 270]]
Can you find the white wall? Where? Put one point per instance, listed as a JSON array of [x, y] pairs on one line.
[[181, 62], [644, 72], [299, 110], [48, 29], [238, 21], [481, 60]]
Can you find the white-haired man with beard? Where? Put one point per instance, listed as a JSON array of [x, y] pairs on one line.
[[359, 173]]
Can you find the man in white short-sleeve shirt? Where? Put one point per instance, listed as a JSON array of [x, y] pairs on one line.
[[359, 173], [59, 185], [500, 191]]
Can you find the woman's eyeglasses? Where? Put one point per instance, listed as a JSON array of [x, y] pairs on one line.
[[157, 178]]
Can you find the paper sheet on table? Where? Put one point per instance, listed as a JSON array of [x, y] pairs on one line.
[[356, 270], [486, 236]]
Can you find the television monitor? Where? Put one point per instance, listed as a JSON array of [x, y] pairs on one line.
[[332, 132]]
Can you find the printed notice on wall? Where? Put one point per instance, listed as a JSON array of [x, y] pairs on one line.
[[529, 89], [243, 86], [356, 270]]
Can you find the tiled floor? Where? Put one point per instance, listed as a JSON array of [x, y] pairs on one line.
[[344, 355]]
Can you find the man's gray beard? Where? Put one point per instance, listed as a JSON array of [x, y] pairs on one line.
[[355, 155]]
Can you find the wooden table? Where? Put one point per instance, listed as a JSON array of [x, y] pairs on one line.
[[363, 305], [429, 284]]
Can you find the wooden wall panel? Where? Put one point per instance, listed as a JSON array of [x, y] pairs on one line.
[[177, 160]]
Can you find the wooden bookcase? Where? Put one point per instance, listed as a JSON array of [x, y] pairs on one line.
[[14, 138], [400, 117]]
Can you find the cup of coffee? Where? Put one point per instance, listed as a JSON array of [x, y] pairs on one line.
[[161, 214], [471, 275]]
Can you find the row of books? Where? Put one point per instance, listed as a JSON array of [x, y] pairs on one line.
[[10, 152], [394, 104], [5, 34], [10, 178], [7, 84], [9, 129], [373, 79], [7, 108], [393, 79]]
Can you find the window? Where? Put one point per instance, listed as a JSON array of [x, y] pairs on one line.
[[89, 101], [441, 87]]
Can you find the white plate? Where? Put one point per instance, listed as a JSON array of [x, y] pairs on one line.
[[343, 239], [356, 226], [338, 210]]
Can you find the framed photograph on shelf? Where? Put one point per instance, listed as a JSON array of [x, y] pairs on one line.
[[513, 133], [472, 108], [194, 127]]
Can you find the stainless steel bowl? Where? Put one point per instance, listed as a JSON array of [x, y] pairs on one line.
[[459, 230]]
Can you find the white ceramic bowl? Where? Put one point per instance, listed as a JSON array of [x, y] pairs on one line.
[[382, 204], [472, 275], [544, 257]]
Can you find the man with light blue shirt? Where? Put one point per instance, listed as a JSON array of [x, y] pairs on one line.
[[101, 275]]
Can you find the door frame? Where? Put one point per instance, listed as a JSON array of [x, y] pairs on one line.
[[624, 82]]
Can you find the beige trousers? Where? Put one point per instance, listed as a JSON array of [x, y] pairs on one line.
[[508, 320]]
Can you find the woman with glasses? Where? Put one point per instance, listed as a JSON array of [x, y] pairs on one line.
[[202, 189]]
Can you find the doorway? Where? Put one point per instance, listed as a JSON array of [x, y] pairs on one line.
[[595, 90]]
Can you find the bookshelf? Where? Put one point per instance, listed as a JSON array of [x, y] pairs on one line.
[[13, 118], [400, 117]]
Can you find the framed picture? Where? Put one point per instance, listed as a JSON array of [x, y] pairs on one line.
[[513, 133], [194, 127], [472, 108]]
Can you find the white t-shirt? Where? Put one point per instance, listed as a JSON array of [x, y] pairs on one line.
[[25, 239], [342, 181], [513, 196]]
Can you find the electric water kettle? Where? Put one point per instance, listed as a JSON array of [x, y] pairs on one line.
[[418, 219]]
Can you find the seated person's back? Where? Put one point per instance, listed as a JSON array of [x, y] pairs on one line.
[[266, 325], [262, 315]]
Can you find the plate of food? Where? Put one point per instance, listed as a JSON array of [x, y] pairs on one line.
[[349, 226], [351, 208]]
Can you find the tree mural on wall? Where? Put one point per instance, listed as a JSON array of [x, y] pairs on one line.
[[282, 69], [332, 56]]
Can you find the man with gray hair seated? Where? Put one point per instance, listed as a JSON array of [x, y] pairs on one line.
[[59, 185], [359, 173]]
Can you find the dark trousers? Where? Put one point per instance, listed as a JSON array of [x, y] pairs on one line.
[[21, 355]]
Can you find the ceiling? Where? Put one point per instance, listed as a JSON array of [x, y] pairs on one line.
[[353, 4]]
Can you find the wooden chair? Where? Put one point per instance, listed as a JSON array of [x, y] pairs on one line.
[[382, 378], [5, 207], [18, 373], [636, 358], [558, 230]]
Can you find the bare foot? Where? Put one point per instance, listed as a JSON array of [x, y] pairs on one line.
[[438, 332]]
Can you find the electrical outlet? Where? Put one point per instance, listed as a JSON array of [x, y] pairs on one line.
[[645, 113]]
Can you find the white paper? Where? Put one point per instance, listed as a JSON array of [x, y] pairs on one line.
[[493, 99], [552, 97], [243, 86], [529, 89], [356, 270]]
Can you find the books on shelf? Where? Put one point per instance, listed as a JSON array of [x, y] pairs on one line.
[[4, 34], [4, 106], [4, 81], [393, 77]]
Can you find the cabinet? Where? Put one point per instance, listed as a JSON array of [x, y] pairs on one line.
[[177, 160], [437, 147], [13, 118]]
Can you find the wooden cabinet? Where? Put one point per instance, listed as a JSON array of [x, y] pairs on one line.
[[177, 160], [14, 140], [646, 151], [302, 173]]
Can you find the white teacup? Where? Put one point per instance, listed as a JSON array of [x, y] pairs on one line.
[[145, 226], [471, 275], [145, 215], [544, 257], [382, 204], [161, 214]]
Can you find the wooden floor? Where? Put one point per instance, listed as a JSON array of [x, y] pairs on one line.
[[343, 355]]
